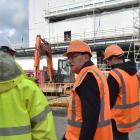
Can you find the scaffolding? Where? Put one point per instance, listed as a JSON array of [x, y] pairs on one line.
[[134, 47], [136, 26]]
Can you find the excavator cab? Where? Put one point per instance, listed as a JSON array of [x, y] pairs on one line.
[[64, 73]]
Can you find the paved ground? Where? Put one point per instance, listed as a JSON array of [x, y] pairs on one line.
[[61, 122], [135, 135]]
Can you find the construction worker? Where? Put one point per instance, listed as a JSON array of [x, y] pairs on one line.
[[89, 111], [123, 88], [24, 110]]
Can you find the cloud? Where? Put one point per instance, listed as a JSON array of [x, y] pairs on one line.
[[14, 19]]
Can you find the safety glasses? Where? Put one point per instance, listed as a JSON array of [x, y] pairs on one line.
[[71, 57]]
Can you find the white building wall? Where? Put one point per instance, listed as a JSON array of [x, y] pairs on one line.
[[37, 23], [53, 4], [107, 23], [117, 20], [77, 26], [28, 63], [84, 27], [59, 3]]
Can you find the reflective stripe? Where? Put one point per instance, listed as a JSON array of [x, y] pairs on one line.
[[74, 123], [79, 124], [123, 86], [104, 123], [73, 107], [12, 131], [128, 125], [102, 100], [40, 116], [126, 106]]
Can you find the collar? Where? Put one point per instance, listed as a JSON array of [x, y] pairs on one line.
[[88, 63]]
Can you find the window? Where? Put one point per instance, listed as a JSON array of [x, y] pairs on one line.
[[67, 36]]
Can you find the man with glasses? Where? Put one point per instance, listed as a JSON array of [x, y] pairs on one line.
[[24, 110], [123, 88], [89, 110]]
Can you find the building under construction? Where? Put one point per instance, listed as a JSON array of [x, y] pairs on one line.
[[97, 22]]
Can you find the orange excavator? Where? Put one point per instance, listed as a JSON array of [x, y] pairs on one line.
[[42, 45], [49, 80]]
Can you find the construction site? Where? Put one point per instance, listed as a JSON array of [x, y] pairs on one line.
[[53, 24]]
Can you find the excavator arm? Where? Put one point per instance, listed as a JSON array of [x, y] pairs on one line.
[[37, 55], [42, 45], [48, 52]]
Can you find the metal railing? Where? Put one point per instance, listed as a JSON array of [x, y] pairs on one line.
[[100, 34]]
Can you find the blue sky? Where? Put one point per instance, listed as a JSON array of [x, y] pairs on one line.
[[14, 20]]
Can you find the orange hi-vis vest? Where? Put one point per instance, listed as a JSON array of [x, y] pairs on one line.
[[104, 128], [125, 112]]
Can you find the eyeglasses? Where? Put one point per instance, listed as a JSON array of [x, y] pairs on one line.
[[73, 56]]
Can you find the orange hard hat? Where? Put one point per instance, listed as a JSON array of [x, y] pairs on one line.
[[78, 46], [112, 50]]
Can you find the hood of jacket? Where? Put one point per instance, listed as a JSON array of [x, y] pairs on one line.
[[10, 74], [129, 67], [7, 85]]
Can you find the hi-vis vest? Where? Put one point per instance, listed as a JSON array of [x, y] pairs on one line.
[[126, 109], [104, 129]]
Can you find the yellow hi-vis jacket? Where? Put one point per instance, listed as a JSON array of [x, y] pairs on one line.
[[24, 111]]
